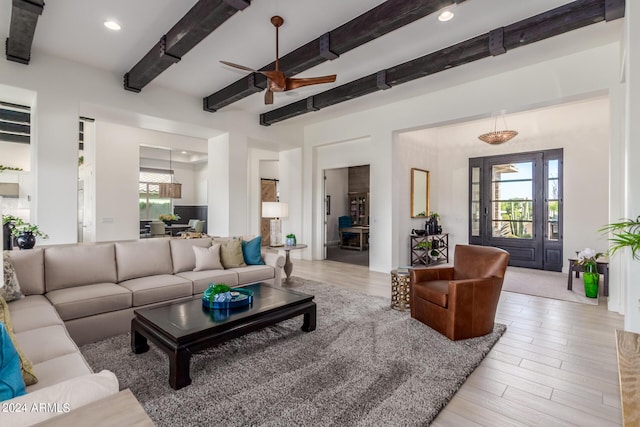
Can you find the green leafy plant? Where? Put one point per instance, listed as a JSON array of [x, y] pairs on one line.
[[434, 215], [169, 217], [291, 236], [18, 226], [624, 233], [9, 168]]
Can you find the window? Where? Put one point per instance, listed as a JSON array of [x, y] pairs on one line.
[[151, 205]]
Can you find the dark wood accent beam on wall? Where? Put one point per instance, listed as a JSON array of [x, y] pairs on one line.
[[565, 18], [203, 18], [22, 28], [372, 24]]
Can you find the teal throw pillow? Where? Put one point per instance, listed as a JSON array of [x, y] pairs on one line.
[[251, 251], [11, 382]]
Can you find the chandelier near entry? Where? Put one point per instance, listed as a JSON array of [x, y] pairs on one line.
[[170, 190], [496, 137]]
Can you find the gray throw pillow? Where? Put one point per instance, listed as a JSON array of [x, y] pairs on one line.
[[11, 289]]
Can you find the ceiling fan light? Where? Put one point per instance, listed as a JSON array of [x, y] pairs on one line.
[[445, 16]]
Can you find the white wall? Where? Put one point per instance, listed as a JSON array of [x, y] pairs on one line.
[[576, 76], [64, 90], [586, 145], [290, 173], [269, 169], [15, 155], [336, 186]]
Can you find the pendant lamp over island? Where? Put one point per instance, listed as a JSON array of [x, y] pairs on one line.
[[170, 190]]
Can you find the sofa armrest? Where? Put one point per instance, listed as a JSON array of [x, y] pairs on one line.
[[276, 261], [45, 403], [427, 274]]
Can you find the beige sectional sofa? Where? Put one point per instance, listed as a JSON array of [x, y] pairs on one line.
[[76, 294]]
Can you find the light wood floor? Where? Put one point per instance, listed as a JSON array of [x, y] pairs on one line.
[[555, 365]]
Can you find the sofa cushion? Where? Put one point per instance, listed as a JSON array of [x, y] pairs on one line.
[[208, 258], [201, 279], [9, 288], [164, 287], [251, 251], [254, 273], [182, 253], [61, 265], [29, 267], [146, 257], [30, 301], [28, 374], [46, 343], [231, 253], [59, 369], [89, 300], [70, 394], [11, 382], [39, 314]]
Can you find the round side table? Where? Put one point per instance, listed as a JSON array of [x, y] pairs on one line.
[[288, 265], [400, 290]]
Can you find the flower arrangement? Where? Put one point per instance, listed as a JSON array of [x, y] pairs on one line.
[[169, 217], [587, 256]]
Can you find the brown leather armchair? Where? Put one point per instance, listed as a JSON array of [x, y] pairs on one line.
[[460, 301]]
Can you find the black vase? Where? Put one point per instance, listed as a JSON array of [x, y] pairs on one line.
[[7, 241], [26, 240]]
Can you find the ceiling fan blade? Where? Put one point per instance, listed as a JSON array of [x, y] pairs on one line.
[[268, 97], [238, 66], [293, 83]]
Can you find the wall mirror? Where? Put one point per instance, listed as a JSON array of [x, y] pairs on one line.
[[419, 193]]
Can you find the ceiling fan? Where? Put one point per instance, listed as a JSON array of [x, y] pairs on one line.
[[276, 80]]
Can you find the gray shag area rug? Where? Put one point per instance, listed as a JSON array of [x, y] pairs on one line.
[[365, 365]]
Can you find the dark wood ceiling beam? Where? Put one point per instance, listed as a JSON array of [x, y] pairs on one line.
[[565, 18], [372, 24], [203, 18], [22, 28]]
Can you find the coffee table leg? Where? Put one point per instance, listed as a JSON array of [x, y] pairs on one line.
[[309, 323], [138, 341], [179, 369]]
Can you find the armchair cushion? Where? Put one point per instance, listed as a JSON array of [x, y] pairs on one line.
[[436, 291]]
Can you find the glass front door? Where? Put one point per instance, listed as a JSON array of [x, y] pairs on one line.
[[515, 204]]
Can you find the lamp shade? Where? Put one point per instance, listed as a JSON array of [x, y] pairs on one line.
[[275, 210], [170, 190]]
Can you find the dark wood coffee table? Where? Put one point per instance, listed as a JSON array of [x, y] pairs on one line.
[[183, 328]]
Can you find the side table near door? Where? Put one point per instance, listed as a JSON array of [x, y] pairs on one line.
[[288, 265]]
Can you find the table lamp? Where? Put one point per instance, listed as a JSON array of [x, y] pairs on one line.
[[275, 211]]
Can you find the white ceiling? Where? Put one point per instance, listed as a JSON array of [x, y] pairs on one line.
[[73, 29]]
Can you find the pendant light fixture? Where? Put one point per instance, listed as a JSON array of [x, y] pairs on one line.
[[170, 190], [496, 137]]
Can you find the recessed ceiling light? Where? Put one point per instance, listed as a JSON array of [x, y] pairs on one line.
[[445, 16], [183, 152], [112, 25]]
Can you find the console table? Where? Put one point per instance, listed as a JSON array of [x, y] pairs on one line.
[[603, 268]]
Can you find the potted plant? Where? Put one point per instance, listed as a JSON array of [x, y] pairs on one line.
[[25, 233], [588, 260], [433, 252], [169, 218], [290, 240], [625, 233]]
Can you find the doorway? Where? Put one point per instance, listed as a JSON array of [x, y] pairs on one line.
[[515, 204], [268, 193], [346, 214]]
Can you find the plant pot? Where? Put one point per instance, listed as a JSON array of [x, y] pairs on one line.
[[590, 278], [7, 241], [290, 241], [168, 222], [26, 240]]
